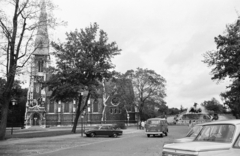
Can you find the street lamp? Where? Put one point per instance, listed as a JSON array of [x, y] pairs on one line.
[[14, 102]]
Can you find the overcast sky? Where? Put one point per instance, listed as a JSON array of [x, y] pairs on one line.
[[167, 36]]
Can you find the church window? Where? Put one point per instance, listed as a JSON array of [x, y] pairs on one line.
[[111, 110], [120, 111], [95, 106], [66, 107], [115, 111], [51, 107], [40, 66]]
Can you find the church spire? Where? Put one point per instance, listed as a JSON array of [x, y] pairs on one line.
[[42, 40]]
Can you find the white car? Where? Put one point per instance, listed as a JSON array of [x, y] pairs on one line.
[[215, 139]]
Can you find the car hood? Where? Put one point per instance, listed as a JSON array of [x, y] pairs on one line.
[[197, 146]]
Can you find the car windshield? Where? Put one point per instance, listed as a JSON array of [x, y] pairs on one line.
[[193, 132], [216, 133]]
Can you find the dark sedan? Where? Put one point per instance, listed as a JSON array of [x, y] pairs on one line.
[[103, 130]]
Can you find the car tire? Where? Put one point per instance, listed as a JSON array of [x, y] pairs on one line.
[[92, 134], [115, 135], [148, 135]]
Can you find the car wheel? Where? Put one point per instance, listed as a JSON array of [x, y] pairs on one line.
[[161, 135], [92, 135], [115, 135], [148, 135]]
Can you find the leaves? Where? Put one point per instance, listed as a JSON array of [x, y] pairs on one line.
[[82, 61]]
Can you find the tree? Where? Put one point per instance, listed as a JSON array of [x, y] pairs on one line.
[[17, 31], [147, 85], [213, 105], [163, 110], [232, 98], [225, 63], [83, 63]]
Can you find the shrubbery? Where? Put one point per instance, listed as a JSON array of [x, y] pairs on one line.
[[120, 125]]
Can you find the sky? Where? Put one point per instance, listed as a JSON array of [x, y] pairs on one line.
[[167, 36]]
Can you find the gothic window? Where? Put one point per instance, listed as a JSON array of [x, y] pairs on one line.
[[40, 65], [120, 111], [115, 111], [66, 107], [51, 107], [95, 106], [111, 110]]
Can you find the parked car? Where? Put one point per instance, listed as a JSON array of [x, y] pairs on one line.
[[214, 139], [156, 127], [103, 131], [192, 133]]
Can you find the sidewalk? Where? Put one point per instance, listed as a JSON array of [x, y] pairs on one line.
[[38, 133]]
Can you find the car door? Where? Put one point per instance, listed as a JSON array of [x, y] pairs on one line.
[[103, 130]]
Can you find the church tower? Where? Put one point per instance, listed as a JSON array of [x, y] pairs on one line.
[[36, 100]]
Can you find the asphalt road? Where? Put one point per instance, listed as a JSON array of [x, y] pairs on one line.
[[134, 142]]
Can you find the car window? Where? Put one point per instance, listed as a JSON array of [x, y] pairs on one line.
[[97, 127], [153, 122], [104, 127], [216, 133], [237, 143], [193, 132]]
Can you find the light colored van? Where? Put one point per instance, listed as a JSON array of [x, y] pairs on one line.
[[156, 127]]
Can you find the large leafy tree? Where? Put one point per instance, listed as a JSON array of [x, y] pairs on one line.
[[83, 63], [214, 106], [147, 86], [225, 64], [18, 25]]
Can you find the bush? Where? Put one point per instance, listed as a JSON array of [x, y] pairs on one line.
[[120, 125]]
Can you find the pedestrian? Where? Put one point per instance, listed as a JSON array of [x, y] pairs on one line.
[[142, 124], [139, 124]]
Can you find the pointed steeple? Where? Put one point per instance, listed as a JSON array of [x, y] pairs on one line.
[[42, 40]]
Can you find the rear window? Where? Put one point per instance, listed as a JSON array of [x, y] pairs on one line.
[[153, 122]]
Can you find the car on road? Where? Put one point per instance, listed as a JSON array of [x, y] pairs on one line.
[[215, 139], [156, 127], [103, 131]]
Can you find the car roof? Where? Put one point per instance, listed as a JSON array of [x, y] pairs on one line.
[[234, 122]]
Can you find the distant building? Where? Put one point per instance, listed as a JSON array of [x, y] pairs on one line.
[[41, 111]]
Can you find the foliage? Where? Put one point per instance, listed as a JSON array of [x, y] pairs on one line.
[[120, 125], [147, 86], [213, 105], [232, 98], [225, 64], [173, 111], [83, 62]]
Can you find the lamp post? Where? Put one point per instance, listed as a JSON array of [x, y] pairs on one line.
[[14, 102], [82, 125]]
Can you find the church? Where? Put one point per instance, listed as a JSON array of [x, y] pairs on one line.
[[43, 112]]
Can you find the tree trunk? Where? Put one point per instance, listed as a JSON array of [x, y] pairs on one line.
[[4, 114], [78, 112]]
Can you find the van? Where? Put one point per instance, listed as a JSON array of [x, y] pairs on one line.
[[156, 127]]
